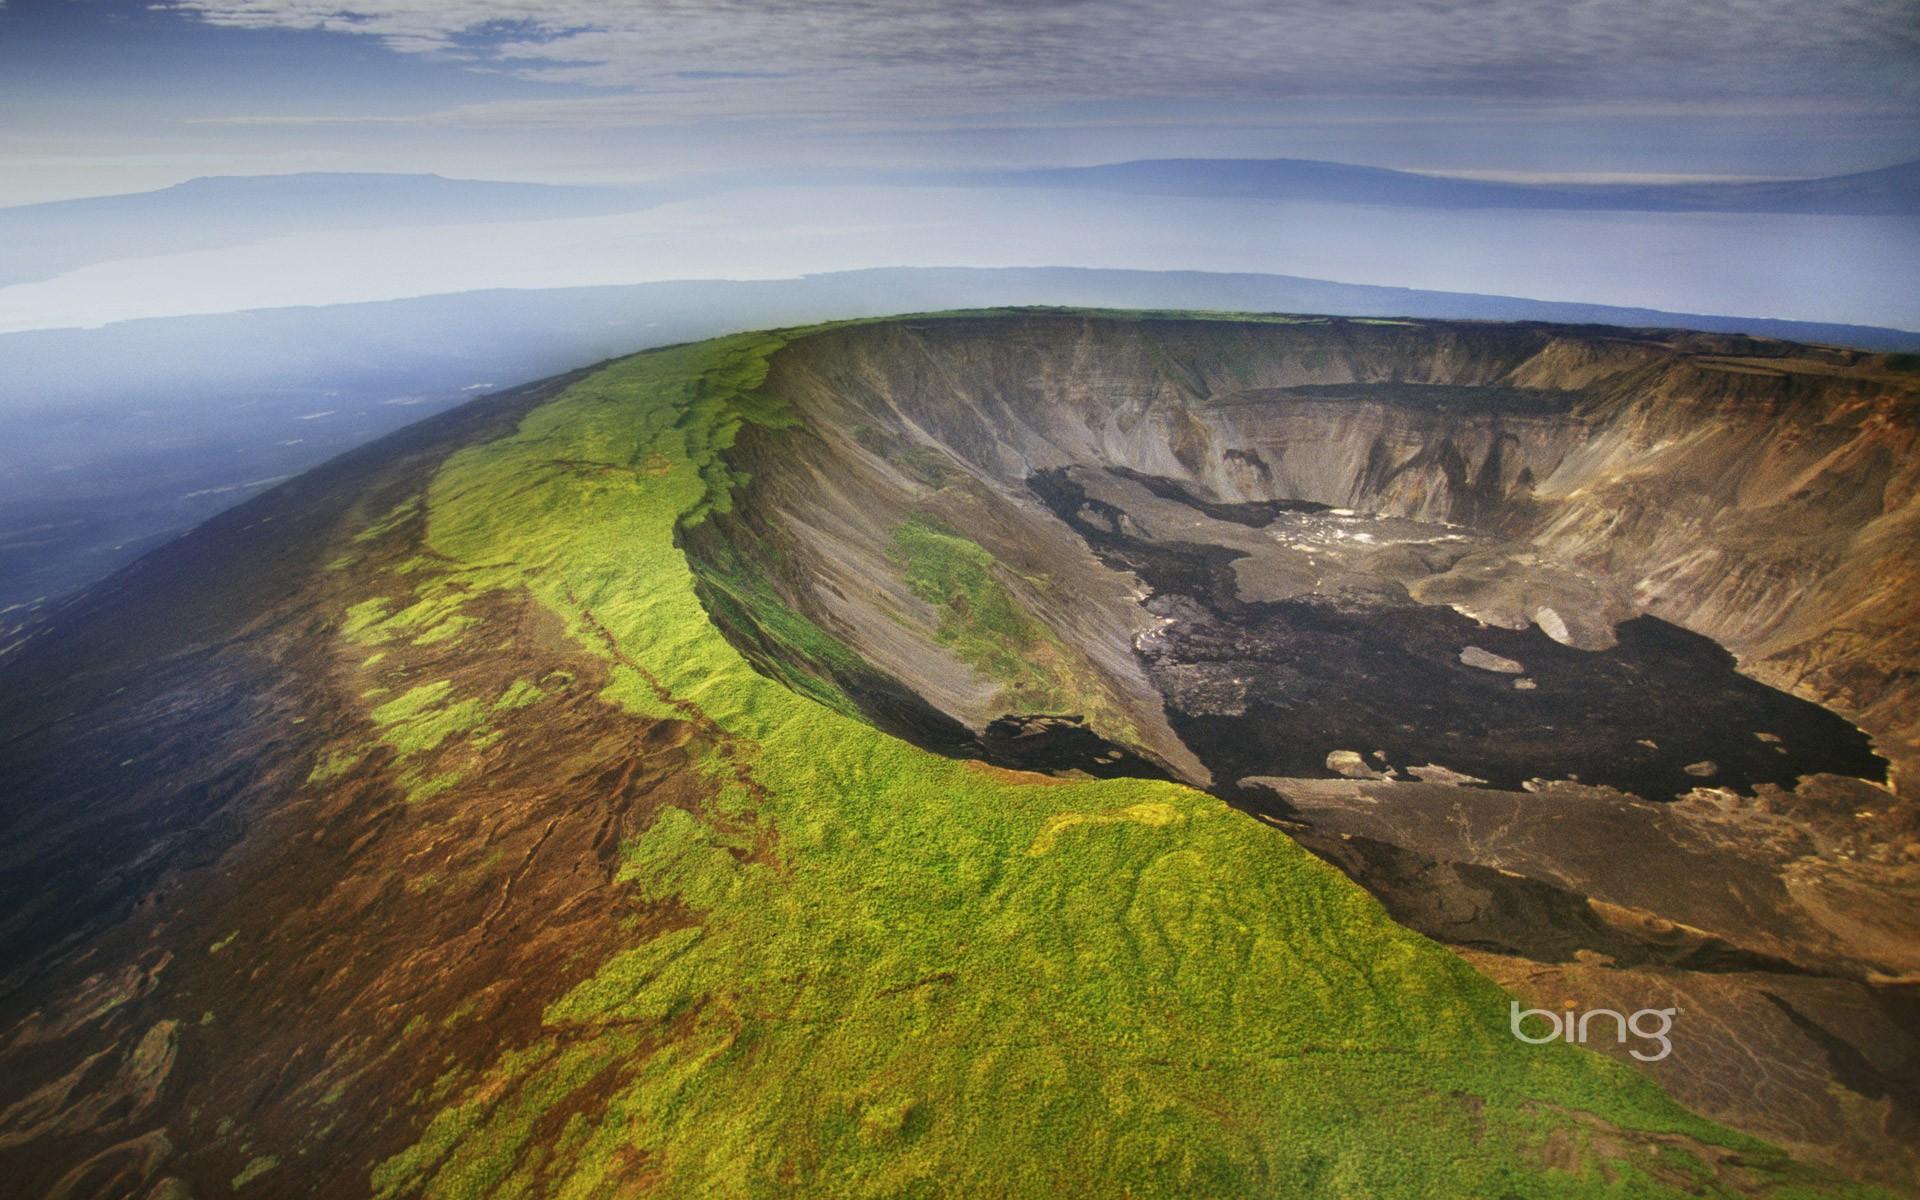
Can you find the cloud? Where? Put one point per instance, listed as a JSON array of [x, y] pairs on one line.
[[909, 60]]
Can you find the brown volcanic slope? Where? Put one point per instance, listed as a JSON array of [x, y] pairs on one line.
[[156, 740], [1252, 555], [1329, 569]]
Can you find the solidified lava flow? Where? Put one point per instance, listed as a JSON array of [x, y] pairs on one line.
[[1274, 688]]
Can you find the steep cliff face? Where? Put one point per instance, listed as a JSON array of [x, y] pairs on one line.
[[1452, 603], [1758, 493]]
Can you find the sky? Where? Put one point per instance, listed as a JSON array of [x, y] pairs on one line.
[[106, 96]]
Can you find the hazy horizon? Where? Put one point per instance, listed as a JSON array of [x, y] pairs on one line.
[[1848, 270], [355, 157], [719, 109]]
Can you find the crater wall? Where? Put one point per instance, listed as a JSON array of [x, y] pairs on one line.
[[1759, 493]]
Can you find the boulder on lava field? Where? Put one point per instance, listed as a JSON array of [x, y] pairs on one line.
[[1350, 764], [1486, 660]]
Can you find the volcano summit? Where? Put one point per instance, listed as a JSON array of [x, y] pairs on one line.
[[1010, 752]]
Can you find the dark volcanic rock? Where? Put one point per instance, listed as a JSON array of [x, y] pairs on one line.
[[1272, 689], [1041, 742]]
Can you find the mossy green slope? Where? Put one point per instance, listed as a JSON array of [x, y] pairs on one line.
[[985, 626], [895, 974]]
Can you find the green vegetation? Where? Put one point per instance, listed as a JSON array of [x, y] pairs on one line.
[[391, 520], [797, 652], [519, 694], [983, 623], [893, 974], [1149, 813], [254, 1169], [363, 617], [333, 764], [433, 617], [421, 719], [416, 723], [979, 620]]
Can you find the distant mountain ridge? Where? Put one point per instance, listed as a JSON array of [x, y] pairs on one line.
[[519, 333], [39, 241], [1888, 191], [322, 187]]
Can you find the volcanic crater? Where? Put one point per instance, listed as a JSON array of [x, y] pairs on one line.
[[432, 817], [1590, 652]]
